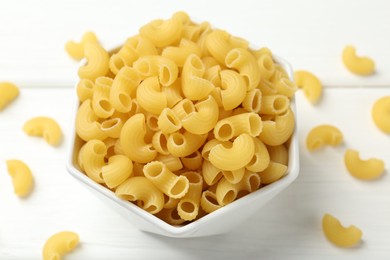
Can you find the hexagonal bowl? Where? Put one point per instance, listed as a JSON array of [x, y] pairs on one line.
[[217, 222]]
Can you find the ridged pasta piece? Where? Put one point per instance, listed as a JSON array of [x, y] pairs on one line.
[[59, 244], [227, 128], [170, 184], [159, 142], [123, 89], [184, 144], [208, 146], [286, 87], [85, 89], [170, 203], [141, 190], [87, 126], [179, 54], [219, 43], [173, 163], [233, 156], [150, 97], [274, 172], [203, 119], [310, 85], [252, 100], [278, 154], [191, 32], [243, 61], [208, 201], [184, 108], [211, 174], [380, 114], [363, 169], [234, 176], [97, 62], [173, 93], [323, 135], [339, 235], [163, 32], [132, 140], [112, 127], [76, 49], [210, 62], [194, 86], [168, 121], [101, 97], [91, 157], [45, 127], [266, 65], [193, 161], [278, 131], [274, 104], [233, 89], [267, 87], [213, 75], [152, 122], [260, 159], [188, 207], [165, 69], [118, 169], [22, 178], [142, 46], [170, 216]]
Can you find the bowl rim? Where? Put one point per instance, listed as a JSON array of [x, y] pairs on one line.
[[179, 231]]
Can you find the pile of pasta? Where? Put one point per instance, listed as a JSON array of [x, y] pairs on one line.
[[182, 119]]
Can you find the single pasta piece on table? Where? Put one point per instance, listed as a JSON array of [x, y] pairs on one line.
[[46, 127], [22, 178], [59, 244], [359, 65], [323, 135], [310, 85], [363, 169], [8, 92], [381, 114], [339, 235]]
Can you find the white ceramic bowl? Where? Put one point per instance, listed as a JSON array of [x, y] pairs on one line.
[[217, 222]]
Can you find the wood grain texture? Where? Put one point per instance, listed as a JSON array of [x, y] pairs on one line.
[[289, 227]]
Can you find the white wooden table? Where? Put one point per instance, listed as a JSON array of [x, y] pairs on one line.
[[310, 34]]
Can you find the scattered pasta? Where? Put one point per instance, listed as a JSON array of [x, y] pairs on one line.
[[8, 93], [76, 49], [355, 64], [363, 169], [46, 127], [310, 84], [180, 116], [22, 177], [323, 135], [59, 244], [381, 115], [339, 235]]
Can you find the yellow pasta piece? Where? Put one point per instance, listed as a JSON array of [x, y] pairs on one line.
[[286, 87], [234, 176], [233, 89], [166, 181], [323, 135], [179, 54], [212, 74], [233, 126], [46, 127], [188, 207], [76, 49], [132, 140], [87, 126], [184, 108], [171, 216], [209, 62], [168, 121], [274, 104], [310, 85], [165, 69], [150, 96], [266, 65], [355, 64], [91, 159], [278, 154], [260, 159], [211, 174], [233, 156], [173, 93], [59, 244], [339, 235], [22, 178], [85, 89], [170, 202], [273, 172], [118, 169], [141, 190], [380, 114], [246, 64], [203, 119], [363, 169], [97, 62], [262, 51], [209, 202], [159, 142], [193, 161], [112, 127], [194, 86], [184, 144], [8, 92], [173, 163], [101, 104], [267, 87], [252, 101], [278, 131]]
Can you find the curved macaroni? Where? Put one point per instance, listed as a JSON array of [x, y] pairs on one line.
[[243, 61], [22, 178], [179, 54], [380, 114], [278, 131], [150, 96], [213, 75], [233, 156], [112, 127], [101, 104], [209, 202], [363, 169], [173, 163], [193, 161], [203, 119], [140, 189], [234, 176], [87, 126], [233, 89], [266, 65], [91, 159], [260, 159], [273, 172], [339, 235], [278, 154], [46, 127], [286, 87], [310, 85], [252, 100], [168, 121], [85, 89], [76, 49], [97, 62], [60, 244], [184, 144], [118, 169], [165, 69], [188, 207], [159, 142], [8, 93], [173, 93], [274, 104], [323, 135], [211, 174], [355, 64], [184, 108], [132, 140]]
